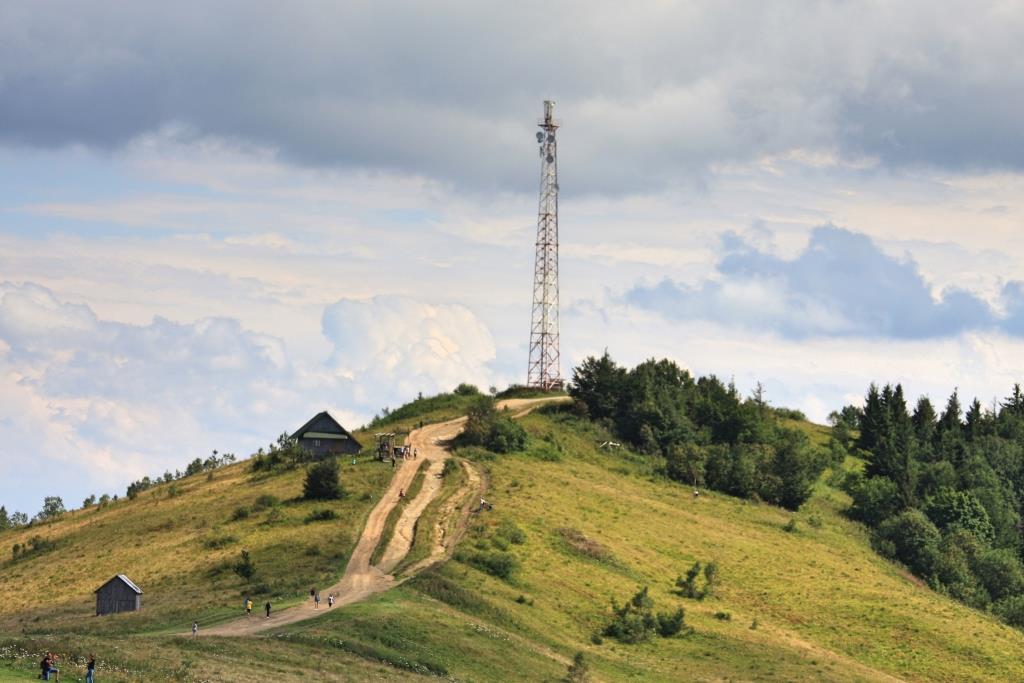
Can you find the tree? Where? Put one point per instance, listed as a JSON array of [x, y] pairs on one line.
[[949, 508], [1000, 572], [924, 421], [875, 499], [911, 538], [598, 382], [53, 508], [18, 519], [5, 520], [322, 481], [89, 501]]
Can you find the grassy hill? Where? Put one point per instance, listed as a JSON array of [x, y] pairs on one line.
[[808, 600]]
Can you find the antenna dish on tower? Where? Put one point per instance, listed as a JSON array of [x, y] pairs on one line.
[[540, 136]]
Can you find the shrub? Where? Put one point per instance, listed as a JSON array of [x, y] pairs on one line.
[[670, 623], [465, 389], [1011, 610], [790, 526], [324, 515], [322, 481], [509, 531], [275, 516], [911, 538], [265, 501], [241, 512], [1000, 572], [949, 508], [710, 579], [635, 622], [218, 542], [499, 564], [723, 616], [579, 670], [245, 567], [688, 585], [450, 466]]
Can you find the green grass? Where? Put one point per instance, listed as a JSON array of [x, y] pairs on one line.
[[826, 606], [596, 525]]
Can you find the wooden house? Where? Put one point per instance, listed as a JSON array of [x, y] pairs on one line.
[[120, 594], [323, 436]]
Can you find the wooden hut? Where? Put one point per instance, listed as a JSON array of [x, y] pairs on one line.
[[323, 436], [120, 594]]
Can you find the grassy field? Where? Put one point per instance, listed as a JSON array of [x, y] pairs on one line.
[[811, 603], [814, 603]]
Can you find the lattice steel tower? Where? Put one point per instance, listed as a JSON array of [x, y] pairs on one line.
[[543, 371]]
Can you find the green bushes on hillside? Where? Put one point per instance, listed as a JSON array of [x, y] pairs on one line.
[[322, 481], [943, 492], [635, 621], [488, 428], [706, 432]]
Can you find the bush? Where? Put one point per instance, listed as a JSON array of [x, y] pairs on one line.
[[265, 501], [874, 500], [790, 526], [240, 512], [911, 538], [670, 624], [499, 564], [1011, 610], [324, 515], [508, 530], [322, 481], [245, 567], [723, 616], [579, 670], [218, 542], [1000, 572], [486, 427], [450, 466], [465, 389]]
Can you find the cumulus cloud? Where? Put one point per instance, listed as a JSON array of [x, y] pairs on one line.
[[399, 345], [449, 90], [97, 402], [842, 284]]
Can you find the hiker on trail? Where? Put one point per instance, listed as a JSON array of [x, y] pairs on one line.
[[195, 627], [401, 494], [484, 505], [415, 453], [316, 601], [392, 461], [248, 607], [330, 600], [312, 592], [90, 669], [267, 607]]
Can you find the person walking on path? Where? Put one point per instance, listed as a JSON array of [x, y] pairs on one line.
[[316, 601], [195, 627], [90, 669], [330, 600], [267, 607], [248, 607], [312, 592]]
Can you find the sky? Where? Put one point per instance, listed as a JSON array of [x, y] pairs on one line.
[[219, 219]]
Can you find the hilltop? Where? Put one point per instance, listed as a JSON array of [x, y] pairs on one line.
[[800, 595]]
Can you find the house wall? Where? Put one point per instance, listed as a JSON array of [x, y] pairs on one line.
[[329, 447], [117, 597]]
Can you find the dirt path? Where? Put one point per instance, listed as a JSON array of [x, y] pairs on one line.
[[361, 579]]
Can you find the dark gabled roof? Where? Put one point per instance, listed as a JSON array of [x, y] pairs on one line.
[[323, 422], [128, 582]]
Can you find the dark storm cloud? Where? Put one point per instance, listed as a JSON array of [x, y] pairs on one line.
[[840, 285], [450, 91]]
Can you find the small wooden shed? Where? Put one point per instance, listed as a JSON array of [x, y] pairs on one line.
[[323, 436], [120, 594]]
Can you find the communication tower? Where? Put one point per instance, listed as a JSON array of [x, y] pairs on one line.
[[543, 371]]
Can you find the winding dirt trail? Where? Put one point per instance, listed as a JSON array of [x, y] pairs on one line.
[[361, 579]]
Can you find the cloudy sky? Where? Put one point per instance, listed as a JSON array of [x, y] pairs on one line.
[[215, 222]]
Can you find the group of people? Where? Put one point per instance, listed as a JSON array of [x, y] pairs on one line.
[[248, 609], [315, 595], [49, 668], [403, 453]]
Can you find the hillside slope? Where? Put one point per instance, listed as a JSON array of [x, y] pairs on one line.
[[813, 603]]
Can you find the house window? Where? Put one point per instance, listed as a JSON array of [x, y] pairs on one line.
[[316, 442]]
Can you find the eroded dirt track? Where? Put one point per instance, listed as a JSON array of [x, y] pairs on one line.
[[361, 579]]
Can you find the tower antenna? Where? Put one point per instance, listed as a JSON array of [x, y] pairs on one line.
[[543, 371]]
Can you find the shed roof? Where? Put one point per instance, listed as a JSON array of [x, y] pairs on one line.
[[128, 582]]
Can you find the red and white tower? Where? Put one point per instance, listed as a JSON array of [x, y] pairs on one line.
[[543, 371]]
